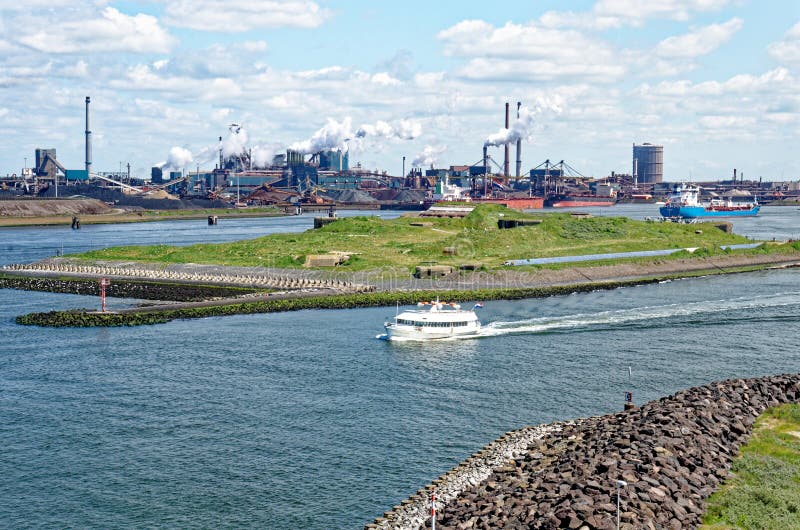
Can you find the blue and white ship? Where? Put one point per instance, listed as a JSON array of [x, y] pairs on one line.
[[685, 203]]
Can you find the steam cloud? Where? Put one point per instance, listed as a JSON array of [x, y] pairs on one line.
[[340, 135], [333, 135], [429, 155], [521, 128], [178, 158], [235, 144], [261, 157], [402, 129]]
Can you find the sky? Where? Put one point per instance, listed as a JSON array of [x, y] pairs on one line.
[[716, 82]]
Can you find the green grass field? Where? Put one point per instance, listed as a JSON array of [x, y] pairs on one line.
[[764, 493], [373, 243]]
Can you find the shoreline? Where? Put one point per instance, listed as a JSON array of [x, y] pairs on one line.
[[131, 217], [304, 293], [672, 453]]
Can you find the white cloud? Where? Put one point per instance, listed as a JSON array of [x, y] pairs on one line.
[[429, 79], [255, 46], [701, 41], [113, 31], [384, 79], [608, 14], [636, 11], [235, 16], [221, 115], [530, 51], [787, 50], [330, 72], [768, 82], [727, 122], [78, 69]]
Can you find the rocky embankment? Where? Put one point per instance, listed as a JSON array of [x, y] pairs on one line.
[[671, 454], [40, 208], [252, 278], [180, 292]]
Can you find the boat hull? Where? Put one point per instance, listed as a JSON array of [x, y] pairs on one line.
[[529, 203], [577, 201], [694, 212], [402, 332]]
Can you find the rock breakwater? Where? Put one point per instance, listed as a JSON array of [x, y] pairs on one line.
[[254, 280], [671, 454], [181, 292]]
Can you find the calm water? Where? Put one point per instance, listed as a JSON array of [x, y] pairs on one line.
[[305, 420]]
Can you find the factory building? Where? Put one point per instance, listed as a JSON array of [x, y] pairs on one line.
[[648, 163], [334, 160]]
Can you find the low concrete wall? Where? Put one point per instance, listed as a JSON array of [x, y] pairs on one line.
[[672, 453]]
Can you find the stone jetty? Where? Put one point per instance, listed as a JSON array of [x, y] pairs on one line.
[[670, 456], [252, 279]]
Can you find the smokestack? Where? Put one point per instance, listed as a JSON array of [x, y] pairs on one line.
[[220, 152], [734, 175], [485, 168], [404, 167], [519, 146], [505, 162], [88, 139]]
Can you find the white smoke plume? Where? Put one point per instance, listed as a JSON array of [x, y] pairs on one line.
[[261, 156], [401, 129], [178, 158], [333, 135], [521, 128], [235, 143], [429, 156]]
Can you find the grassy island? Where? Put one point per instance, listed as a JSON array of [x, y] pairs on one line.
[[374, 243]]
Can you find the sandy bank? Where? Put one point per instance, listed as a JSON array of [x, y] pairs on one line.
[[20, 211]]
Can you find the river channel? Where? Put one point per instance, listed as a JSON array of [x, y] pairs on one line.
[[304, 419]]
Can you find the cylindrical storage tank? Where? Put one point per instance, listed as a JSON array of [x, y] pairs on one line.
[[649, 162]]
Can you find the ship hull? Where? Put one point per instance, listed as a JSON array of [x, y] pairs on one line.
[[528, 203], [572, 201], [694, 212]]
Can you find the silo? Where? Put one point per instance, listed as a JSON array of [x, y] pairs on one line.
[[648, 163]]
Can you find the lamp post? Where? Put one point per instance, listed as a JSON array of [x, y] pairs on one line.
[[620, 484]]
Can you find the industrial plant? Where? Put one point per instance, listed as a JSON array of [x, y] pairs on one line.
[[297, 177]]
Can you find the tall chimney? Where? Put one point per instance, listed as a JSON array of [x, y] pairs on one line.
[[505, 163], [88, 139], [519, 145], [220, 152], [734, 175], [404, 167], [485, 169]]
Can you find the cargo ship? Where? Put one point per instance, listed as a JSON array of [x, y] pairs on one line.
[[570, 200], [685, 203]]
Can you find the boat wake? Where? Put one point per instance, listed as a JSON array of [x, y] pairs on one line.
[[582, 321]]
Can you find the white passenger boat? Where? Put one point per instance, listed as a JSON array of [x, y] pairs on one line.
[[434, 320]]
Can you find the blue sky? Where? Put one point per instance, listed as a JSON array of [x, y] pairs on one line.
[[717, 82]]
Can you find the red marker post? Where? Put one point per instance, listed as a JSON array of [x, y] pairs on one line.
[[104, 282]]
